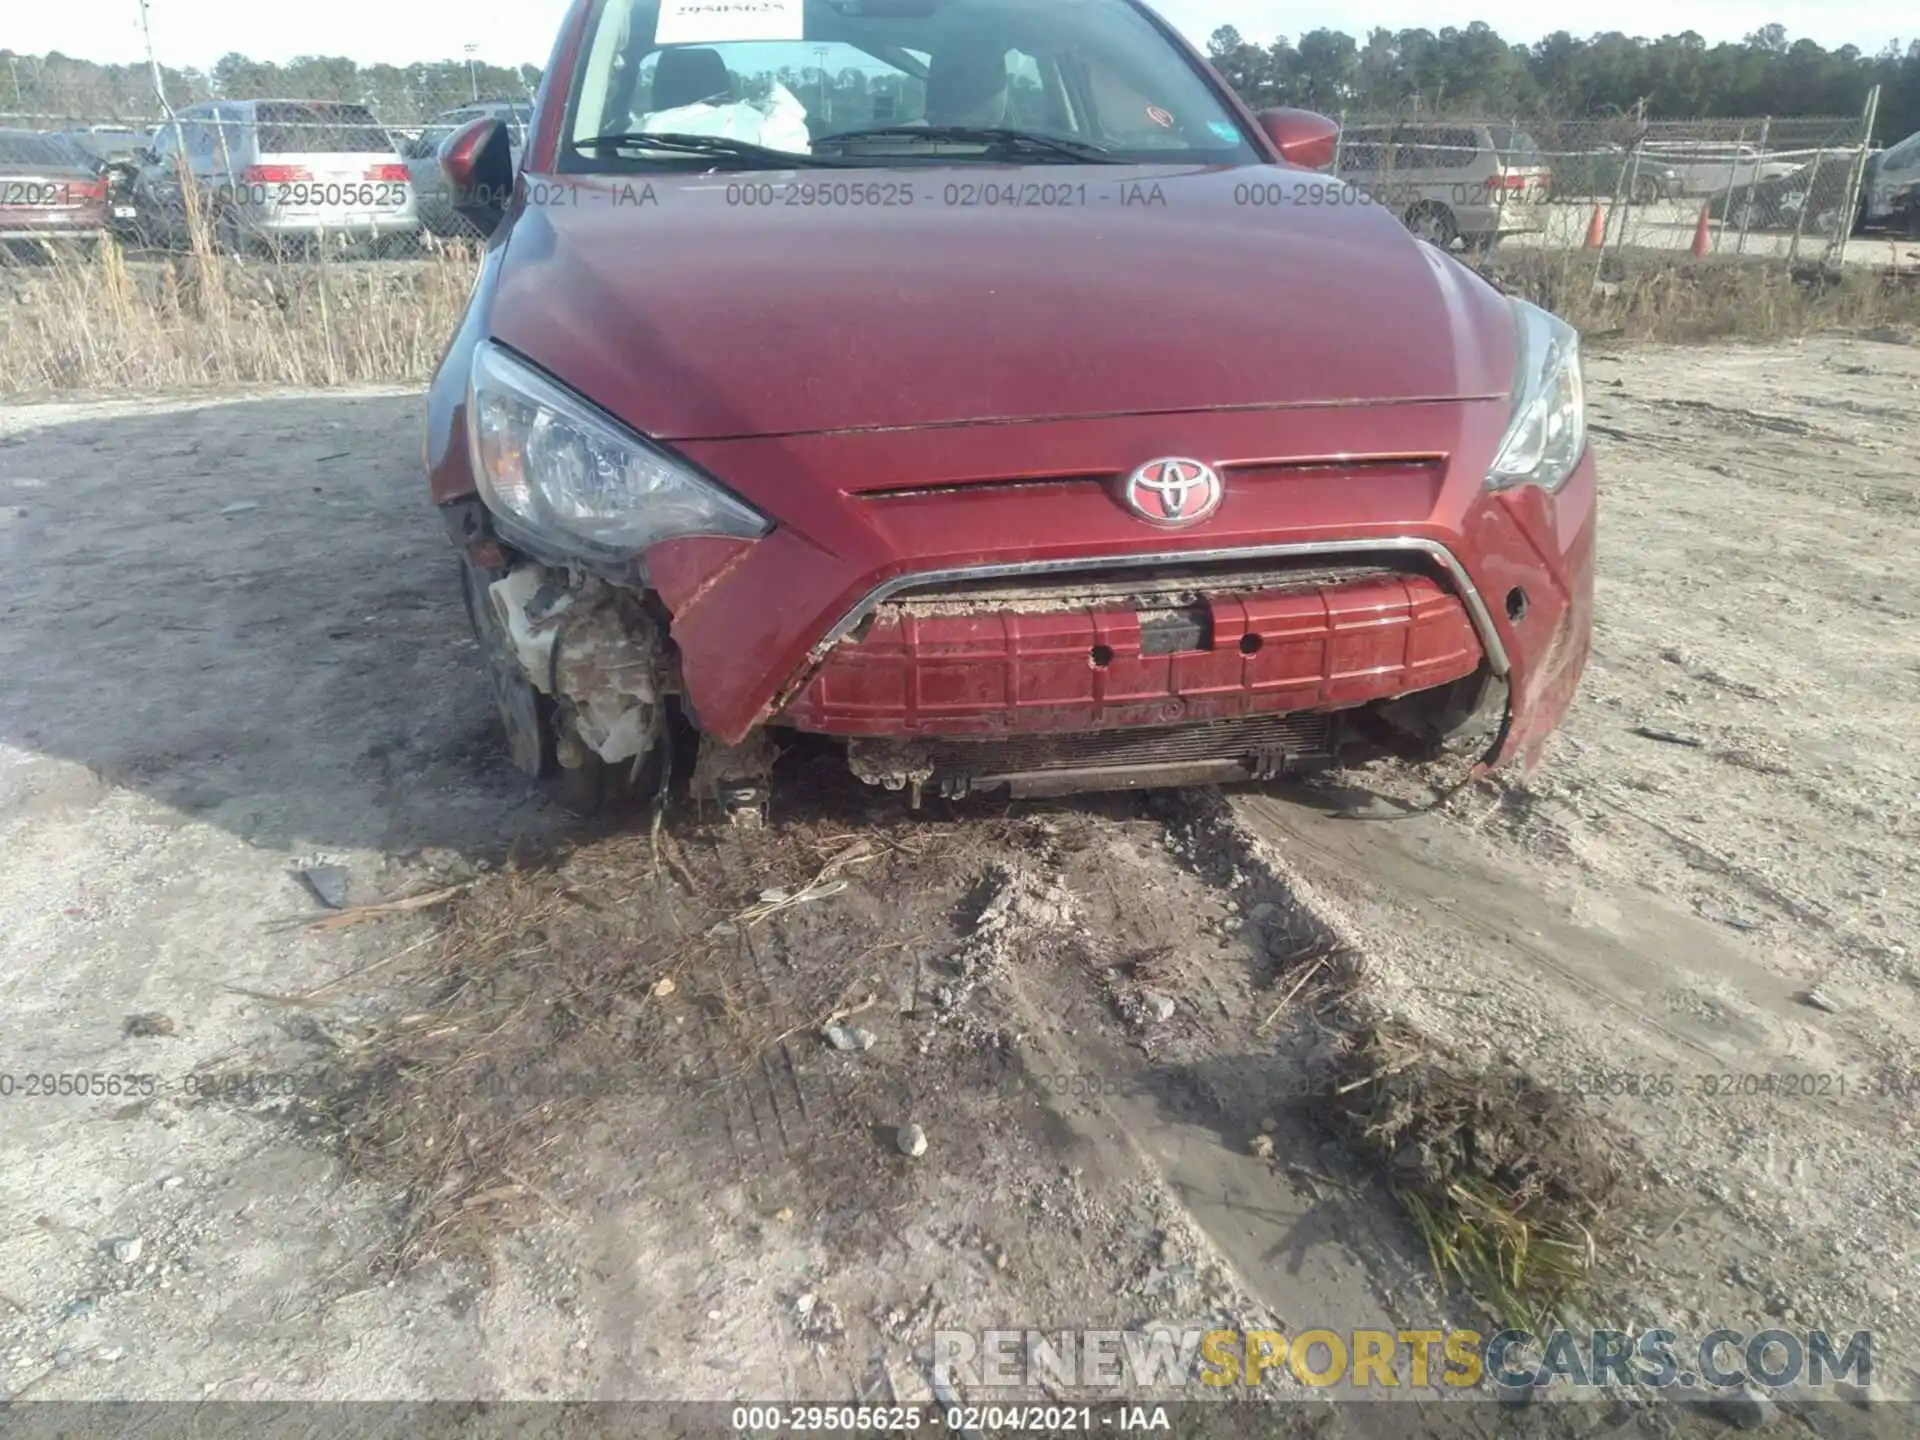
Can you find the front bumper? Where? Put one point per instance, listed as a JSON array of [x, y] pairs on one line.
[[84, 229], [353, 223], [1180, 640], [855, 616]]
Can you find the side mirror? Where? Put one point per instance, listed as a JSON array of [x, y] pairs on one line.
[[1302, 137], [478, 162]]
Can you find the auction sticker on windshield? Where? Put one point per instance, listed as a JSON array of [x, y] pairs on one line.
[[709, 22]]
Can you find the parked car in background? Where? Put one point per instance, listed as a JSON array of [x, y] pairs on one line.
[[108, 142], [1904, 210], [1607, 171], [1811, 198], [270, 172], [53, 197], [1452, 183], [1709, 167], [1887, 193], [830, 445], [115, 151], [422, 154]]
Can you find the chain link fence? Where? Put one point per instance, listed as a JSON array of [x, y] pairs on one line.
[[285, 227], [1793, 188], [273, 176], [351, 165]]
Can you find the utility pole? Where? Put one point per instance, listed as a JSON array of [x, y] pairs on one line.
[[473, 78], [153, 65]]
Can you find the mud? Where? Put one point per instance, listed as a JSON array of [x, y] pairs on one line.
[[234, 648]]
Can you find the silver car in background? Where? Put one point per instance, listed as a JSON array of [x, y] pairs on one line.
[[1451, 182], [422, 154], [268, 172], [1893, 178]]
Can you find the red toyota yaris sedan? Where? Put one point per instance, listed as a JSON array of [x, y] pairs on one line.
[[979, 386]]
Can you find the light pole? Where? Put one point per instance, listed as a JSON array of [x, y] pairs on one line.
[[153, 66], [826, 100], [473, 79]]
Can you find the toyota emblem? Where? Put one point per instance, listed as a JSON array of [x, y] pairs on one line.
[[1172, 491]]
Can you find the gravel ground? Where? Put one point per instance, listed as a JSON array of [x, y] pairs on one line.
[[234, 650]]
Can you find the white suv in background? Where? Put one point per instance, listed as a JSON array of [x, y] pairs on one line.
[[1451, 182], [275, 171]]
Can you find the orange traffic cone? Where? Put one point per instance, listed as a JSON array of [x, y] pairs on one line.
[[1702, 239], [1596, 230]]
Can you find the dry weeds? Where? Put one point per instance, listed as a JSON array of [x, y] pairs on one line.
[[1506, 1182], [201, 318], [205, 318], [552, 990], [1655, 297]]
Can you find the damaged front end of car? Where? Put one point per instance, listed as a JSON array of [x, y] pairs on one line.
[[640, 616], [584, 674]]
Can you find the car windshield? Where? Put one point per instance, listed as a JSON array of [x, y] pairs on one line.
[[20, 148], [319, 128], [947, 81]]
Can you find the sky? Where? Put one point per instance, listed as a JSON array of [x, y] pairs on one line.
[[197, 32]]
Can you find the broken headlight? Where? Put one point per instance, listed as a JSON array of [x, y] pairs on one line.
[[553, 466], [1547, 433]]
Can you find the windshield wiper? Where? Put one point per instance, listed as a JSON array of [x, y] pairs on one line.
[[998, 140], [718, 147]]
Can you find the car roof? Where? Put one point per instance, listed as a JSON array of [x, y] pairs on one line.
[[258, 100]]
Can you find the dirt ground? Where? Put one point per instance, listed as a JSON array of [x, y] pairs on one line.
[[233, 649]]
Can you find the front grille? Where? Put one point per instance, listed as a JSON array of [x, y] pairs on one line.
[[1164, 585]]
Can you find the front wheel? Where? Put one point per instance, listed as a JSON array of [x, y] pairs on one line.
[[542, 742]]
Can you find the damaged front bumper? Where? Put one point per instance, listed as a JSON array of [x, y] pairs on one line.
[[941, 666]]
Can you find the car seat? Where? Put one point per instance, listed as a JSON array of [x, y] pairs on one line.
[[690, 77], [967, 84]]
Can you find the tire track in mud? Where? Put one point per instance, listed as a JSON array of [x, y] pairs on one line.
[[1026, 942]]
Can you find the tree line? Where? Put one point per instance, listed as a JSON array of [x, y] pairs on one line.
[[1474, 72], [54, 87], [1450, 71]]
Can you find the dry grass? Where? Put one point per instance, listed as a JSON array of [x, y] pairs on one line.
[[551, 992], [200, 318], [1657, 297], [1505, 1181]]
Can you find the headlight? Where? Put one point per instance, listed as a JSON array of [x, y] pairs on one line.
[[1547, 433], [551, 465]]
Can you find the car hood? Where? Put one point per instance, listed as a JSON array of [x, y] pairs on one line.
[[711, 307]]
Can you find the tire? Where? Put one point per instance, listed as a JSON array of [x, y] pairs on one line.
[[1648, 190], [594, 788], [1433, 223], [539, 731]]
